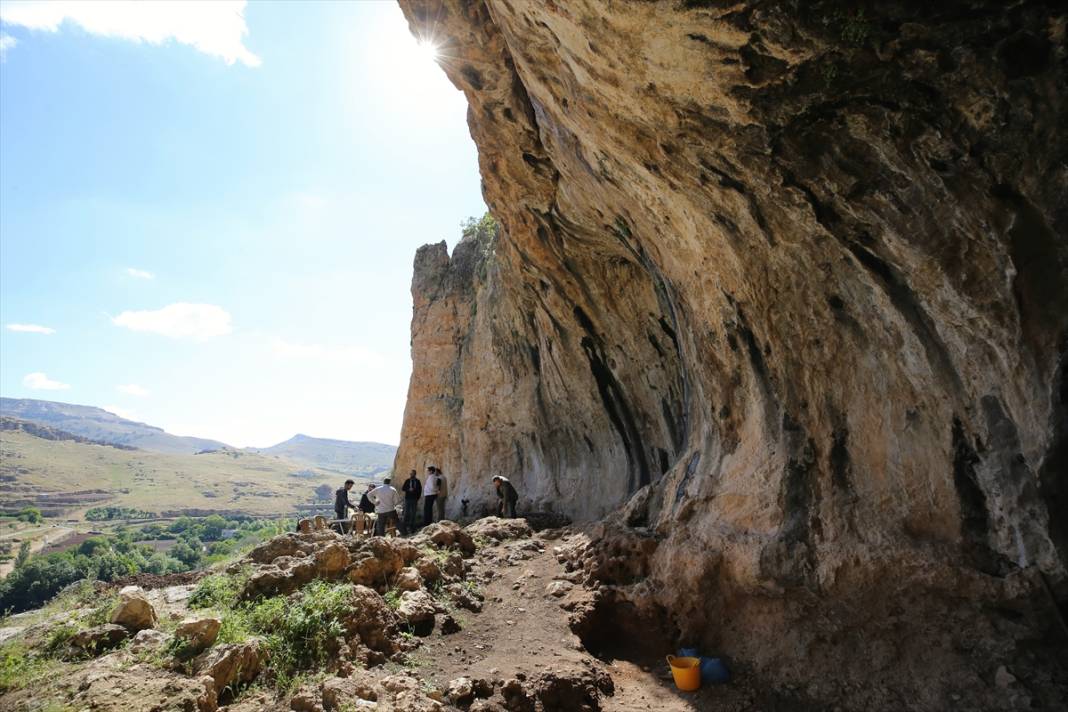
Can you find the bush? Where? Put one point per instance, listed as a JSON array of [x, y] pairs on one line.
[[219, 590], [298, 631], [31, 515]]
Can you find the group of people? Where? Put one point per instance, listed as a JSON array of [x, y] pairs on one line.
[[384, 500]]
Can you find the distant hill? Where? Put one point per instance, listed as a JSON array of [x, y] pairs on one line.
[[100, 425], [66, 477], [46, 432], [351, 458]]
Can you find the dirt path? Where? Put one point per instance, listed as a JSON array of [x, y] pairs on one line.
[[52, 535], [524, 631]]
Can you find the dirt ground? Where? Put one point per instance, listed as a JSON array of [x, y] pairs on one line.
[[523, 630]]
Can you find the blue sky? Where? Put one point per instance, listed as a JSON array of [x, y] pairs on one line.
[[219, 227]]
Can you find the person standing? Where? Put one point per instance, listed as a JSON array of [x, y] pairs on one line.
[[413, 490], [366, 506], [342, 503], [430, 494], [508, 496], [443, 492], [385, 498]]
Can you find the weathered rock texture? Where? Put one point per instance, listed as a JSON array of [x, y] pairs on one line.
[[798, 270]]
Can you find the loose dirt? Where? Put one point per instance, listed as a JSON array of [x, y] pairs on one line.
[[524, 631]]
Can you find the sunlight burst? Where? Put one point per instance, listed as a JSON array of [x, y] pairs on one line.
[[428, 50]]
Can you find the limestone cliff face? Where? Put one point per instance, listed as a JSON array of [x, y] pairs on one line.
[[789, 278]]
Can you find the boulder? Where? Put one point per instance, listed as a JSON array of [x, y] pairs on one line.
[[448, 535], [338, 693], [331, 560], [377, 561], [417, 610], [98, 638], [133, 611], [428, 569], [305, 702], [232, 665], [460, 691], [197, 634], [372, 621], [147, 639], [500, 529], [284, 576], [282, 545], [408, 579]]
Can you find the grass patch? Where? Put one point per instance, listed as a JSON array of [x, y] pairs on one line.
[[219, 590], [298, 632], [20, 667]]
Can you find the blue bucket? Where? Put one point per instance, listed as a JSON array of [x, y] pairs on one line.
[[713, 670]]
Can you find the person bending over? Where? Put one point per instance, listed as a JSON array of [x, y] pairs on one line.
[[507, 495]]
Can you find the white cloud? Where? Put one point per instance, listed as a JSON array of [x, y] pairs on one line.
[[40, 382], [31, 328], [121, 412], [6, 43], [132, 389], [215, 28], [179, 321], [352, 354], [139, 273]]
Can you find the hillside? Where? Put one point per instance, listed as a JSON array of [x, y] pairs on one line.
[[65, 477], [98, 424], [354, 458]]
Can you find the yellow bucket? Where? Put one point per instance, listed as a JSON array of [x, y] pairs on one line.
[[686, 671]]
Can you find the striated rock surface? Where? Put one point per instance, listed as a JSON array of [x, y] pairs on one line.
[[790, 282]]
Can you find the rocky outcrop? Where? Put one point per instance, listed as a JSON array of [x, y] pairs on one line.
[[788, 282]]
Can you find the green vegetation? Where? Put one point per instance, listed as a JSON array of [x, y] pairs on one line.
[[98, 514], [298, 631], [111, 556], [486, 226], [84, 605], [31, 515], [20, 666]]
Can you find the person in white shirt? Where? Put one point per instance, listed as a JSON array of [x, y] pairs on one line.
[[385, 498], [430, 494]]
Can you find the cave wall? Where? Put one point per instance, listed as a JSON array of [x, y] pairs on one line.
[[788, 279]]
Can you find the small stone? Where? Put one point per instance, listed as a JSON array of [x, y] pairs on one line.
[[1003, 678], [559, 589]]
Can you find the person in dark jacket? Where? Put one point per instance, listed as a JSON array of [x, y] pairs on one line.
[[413, 490], [366, 505], [508, 496], [342, 503]]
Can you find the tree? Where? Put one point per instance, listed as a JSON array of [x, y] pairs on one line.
[[23, 555], [323, 492], [213, 527], [31, 515], [186, 553], [93, 545]]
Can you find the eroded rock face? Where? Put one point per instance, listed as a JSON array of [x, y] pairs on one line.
[[790, 282]]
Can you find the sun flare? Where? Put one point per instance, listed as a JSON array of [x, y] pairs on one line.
[[428, 50]]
